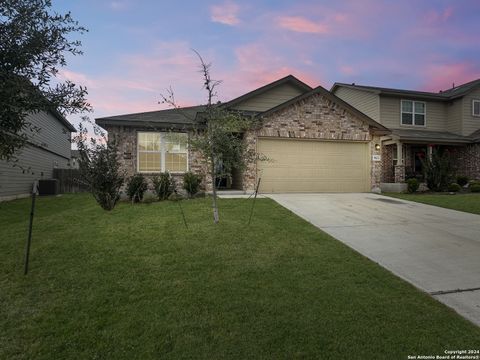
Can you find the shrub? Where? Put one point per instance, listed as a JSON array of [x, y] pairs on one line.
[[149, 197], [199, 195], [412, 185], [454, 187], [164, 185], [175, 197], [136, 186], [438, 170], [100, 171], [475, 187], [462, 180], [191, 183]]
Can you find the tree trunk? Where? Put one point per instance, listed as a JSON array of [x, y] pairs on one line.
[[214, 190]]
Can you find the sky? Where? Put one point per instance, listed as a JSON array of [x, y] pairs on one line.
[[136, 49]]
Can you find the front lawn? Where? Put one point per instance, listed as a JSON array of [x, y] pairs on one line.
[[135, 284], [469, 202]]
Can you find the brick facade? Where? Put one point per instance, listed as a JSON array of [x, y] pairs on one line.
[[467, 160], [316, 117], [313, 118], [388, 172], [126, 138]]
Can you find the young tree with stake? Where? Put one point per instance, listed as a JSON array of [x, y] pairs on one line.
[[217, 134]]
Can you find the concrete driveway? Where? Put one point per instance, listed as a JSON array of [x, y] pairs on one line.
[[435, 249]]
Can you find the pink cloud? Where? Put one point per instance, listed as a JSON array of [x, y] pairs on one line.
[[256, 66], [135, 82], [226, 13], [442, 76], [302, 25], [435, 16], [347, 70]]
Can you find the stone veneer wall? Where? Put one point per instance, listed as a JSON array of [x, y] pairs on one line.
[[316, 117], [467, 159], [127, 152], [388, 174], [313, 118]]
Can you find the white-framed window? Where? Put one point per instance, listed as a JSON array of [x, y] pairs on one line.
[[162, 152], [413, 113], [476, 107]]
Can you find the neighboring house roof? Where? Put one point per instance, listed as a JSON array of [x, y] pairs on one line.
[[63, 120], [289, 79], [324, 92], [445, 95], [430, 136], [461, 90], [171, 117]]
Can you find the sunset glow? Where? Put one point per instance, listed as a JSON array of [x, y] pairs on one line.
[[134, 50]]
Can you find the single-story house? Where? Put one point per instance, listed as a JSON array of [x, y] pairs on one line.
[[315, 141]]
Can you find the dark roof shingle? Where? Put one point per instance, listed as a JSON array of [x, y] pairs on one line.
[[444, 95]]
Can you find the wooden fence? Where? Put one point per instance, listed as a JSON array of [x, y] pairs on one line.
[[69, 181]]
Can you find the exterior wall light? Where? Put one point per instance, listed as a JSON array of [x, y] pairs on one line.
[[377, 147]]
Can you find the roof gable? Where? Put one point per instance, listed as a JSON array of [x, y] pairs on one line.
[[335, 99], [270, 95]]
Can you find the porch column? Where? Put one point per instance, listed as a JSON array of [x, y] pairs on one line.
[[400, 166], [430, 151]]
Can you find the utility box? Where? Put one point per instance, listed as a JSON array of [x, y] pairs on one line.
[[48, 187]]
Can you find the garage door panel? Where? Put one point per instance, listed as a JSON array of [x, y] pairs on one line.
[[313, 166]]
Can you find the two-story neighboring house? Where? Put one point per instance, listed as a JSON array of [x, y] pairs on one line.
[[47, 149], [420, 121]]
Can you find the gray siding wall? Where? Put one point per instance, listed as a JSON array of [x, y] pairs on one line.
[[53, 135], [366, 102], [270, 99], [454, 116], [470, 123], [49, 149], [436, 114], [36, 163]]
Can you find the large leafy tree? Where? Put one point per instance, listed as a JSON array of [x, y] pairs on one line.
[[34, 43]]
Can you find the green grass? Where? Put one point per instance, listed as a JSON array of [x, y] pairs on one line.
[[135, 284], [469, 202]]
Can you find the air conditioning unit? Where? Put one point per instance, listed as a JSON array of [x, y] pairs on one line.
[[48, 187]]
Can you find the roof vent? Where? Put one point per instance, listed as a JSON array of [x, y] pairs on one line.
[[353, 84]]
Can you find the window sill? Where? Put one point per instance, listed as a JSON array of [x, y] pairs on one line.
[[413, 126], [159, 172]]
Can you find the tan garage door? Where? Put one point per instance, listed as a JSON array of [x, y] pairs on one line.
[[313, 166]]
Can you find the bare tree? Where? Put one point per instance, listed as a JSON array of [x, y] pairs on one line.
[[217, 134]]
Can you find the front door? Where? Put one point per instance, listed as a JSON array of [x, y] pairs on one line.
[[419, 154]]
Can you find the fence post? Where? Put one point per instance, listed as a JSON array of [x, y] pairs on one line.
[[29, 239]]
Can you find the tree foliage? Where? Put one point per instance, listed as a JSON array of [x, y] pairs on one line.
[[34, 42], [99, 166]]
